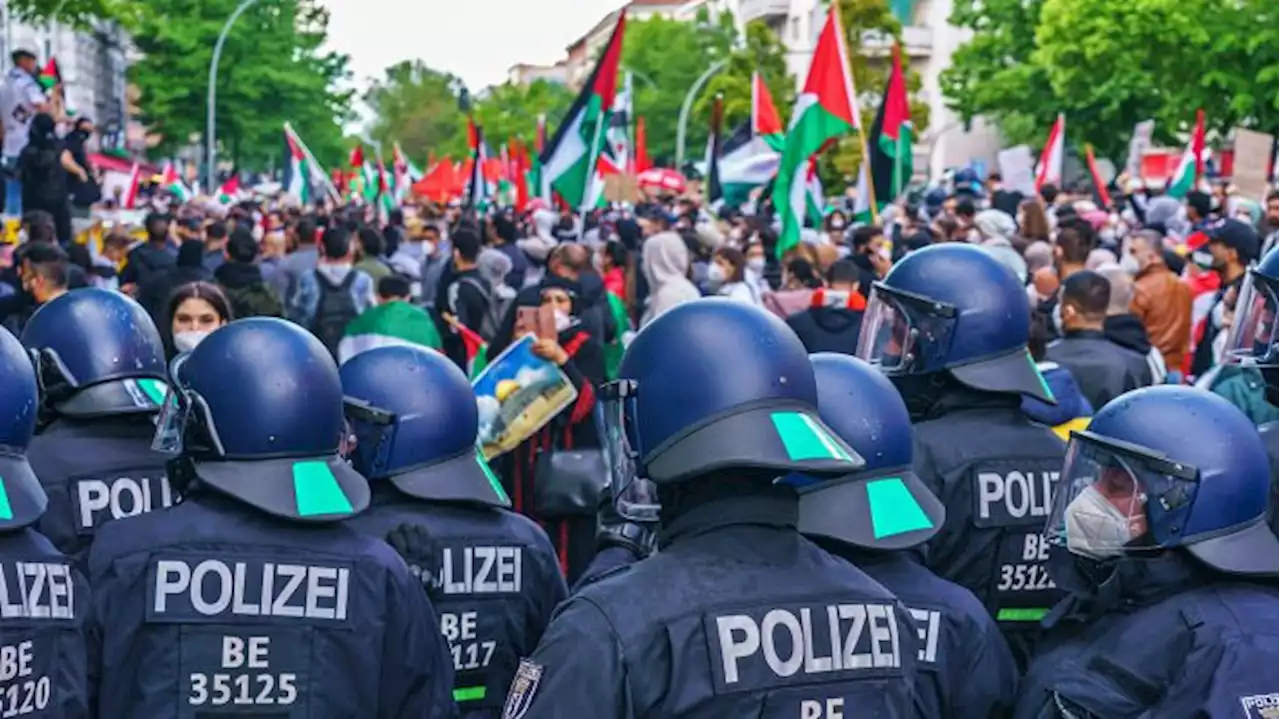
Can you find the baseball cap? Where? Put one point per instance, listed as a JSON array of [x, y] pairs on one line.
[[1236, 235]]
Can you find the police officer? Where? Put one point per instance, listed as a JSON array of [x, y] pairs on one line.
[[101, 369], [736, 614], [43, 598], [1159, 534], [492, 574], [249, 597], [875, 518], [949, 326], [1253, 341]]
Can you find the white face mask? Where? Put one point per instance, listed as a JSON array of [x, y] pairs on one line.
[[1130, 264], [715, 274], [187, 341], [755, 264], [1095, 528], [837, 225], [562, 321]]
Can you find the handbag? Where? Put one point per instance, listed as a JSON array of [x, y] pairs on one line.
[[569, 482]]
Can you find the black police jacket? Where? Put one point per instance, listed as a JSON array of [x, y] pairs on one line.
[[1103, 369], [995, 471], [494, 580], [96, 471], [736, 615]]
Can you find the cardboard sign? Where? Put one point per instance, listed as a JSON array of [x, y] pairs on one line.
[[1018, 169], [1252, 155], [621, 188]]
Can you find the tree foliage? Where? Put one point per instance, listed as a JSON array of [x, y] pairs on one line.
[[1109, 64], [418, 107], [761, 51], [272, 70], [511, 110], [868, 24]]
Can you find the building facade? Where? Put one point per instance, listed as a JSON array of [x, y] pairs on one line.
[[524, 73], [581, 54], [93, 63]]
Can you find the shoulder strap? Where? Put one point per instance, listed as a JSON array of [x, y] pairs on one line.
[[572, 346]]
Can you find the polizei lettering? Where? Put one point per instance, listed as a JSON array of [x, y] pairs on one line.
[[103, 500], [481, 570], [1014, 497], [185, 590], [803, 644], [36, 590]]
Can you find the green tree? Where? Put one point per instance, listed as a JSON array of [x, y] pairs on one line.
[[511, 110], [418, 107], [864, 21], [761, 51], [257, 90], [78, 12]]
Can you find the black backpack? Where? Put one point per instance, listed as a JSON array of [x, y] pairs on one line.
[[495, 308], [334, 311]]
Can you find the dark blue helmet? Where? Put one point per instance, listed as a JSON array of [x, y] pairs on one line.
[[415, 420], [952, 307], [1253, 331], [714, 385], [1166, 467], [22, 499], [883, 506], [96, 353], [256, 412]]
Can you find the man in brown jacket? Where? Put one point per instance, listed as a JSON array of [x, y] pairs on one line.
[[1161, 299]]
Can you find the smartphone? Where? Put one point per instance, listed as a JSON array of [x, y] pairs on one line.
[[547, 322], [526, 321]]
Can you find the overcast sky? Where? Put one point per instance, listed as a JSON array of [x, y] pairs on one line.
[[474, 39]]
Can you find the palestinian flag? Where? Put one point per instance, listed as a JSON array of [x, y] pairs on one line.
[[825, 111], [619, 134], [1101, 197], [477, 193], [297, 172], [392, 324], [230, 191], [1191, 165], [765, 121], [477, 349], [170, 180], [50, 76], [569, 159], [130, 199], [385, 201], [749, 157], [888, 146], [642, 148], [715, 190], [1049, 169], [405, 172]]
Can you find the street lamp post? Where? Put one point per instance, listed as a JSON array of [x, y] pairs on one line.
[[687, 105], [210, 131]]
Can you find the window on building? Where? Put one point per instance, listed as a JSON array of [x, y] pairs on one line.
[[795, 29]]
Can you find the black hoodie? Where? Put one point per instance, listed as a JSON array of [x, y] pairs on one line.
[[827, 329], [1127, 331]]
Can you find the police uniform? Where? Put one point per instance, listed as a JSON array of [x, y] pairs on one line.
[[249, 598], [877, 519], [101, 364], [736, 614], [1172, 611], [960, 369], [492, 574], [43, 598]]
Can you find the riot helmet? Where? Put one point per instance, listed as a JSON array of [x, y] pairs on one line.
[[22, 498]]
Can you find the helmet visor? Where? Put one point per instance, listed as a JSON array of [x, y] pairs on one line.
[[1113, 498], [1253, 329], [175, 409], [903, 333], [634, 497]]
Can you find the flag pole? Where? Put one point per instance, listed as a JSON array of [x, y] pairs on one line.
[[328, 184], [862, 135]]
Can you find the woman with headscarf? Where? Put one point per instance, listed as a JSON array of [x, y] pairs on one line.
[[665, 261], [580, 356], [996, 230], [43, 167]]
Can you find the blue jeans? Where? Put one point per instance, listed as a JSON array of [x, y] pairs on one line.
[[12, 188]]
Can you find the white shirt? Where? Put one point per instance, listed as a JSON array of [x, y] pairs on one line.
[[18, 100]]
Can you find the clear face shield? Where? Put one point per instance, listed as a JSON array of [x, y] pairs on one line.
[[368, 432], [903, 333], [1253, 330], [184, 425], [634, 497], [1114, 498]]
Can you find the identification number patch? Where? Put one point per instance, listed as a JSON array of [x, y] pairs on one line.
[[258, 671]]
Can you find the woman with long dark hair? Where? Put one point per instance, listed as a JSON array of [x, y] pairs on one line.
[[194, 311]]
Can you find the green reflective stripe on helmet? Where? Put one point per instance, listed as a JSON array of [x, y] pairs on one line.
[[894, 510], [493, 481], [316, 490], [154, 389], [6, 509], [804, 439]]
